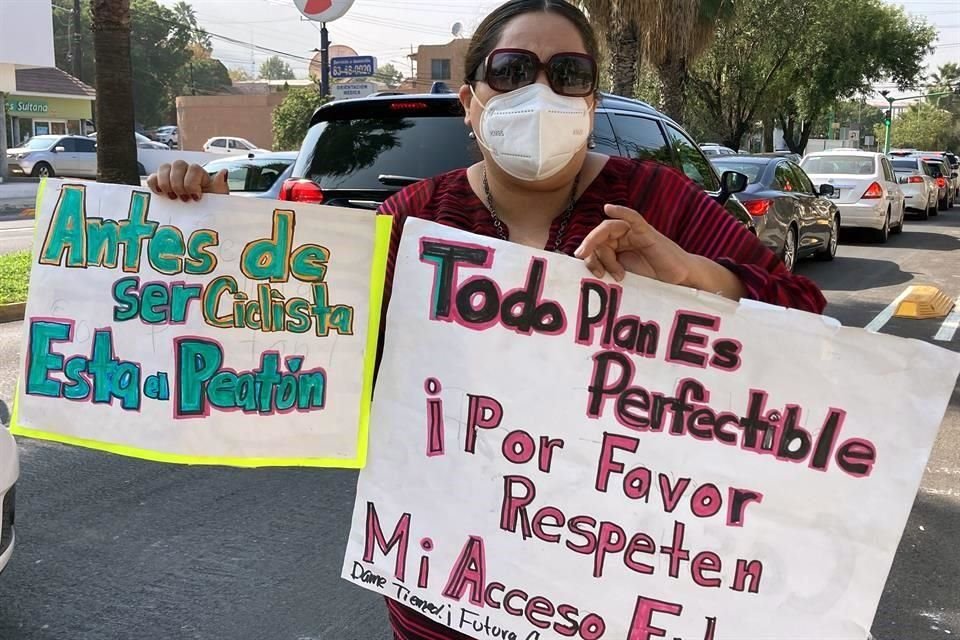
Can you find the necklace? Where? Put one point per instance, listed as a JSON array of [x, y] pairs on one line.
[[565, 218]]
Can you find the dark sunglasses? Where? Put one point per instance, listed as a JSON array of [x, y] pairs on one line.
[[569, 74]]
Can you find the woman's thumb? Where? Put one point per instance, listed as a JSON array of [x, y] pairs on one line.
[[220, 182]]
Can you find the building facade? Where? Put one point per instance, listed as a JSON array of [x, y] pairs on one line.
[[46, 100], [437, 63]]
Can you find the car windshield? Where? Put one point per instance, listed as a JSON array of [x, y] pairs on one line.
[[904, 165], [38, 143], [252, 175], [851, 165], [753, 170], [353, 154]]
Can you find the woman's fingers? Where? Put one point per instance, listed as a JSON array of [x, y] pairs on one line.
[[195, 182], [178, 175], [153, 183], [641, 234], [218, 184], [608, 258], [608, 231], [162, 179], [594, 266]]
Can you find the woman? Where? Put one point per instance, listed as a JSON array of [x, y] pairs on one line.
[[529, 96]]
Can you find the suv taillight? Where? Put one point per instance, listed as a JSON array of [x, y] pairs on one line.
[[301, 190], [941, 182], [873, 192]]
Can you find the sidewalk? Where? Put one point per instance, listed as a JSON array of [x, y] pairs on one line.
[[17, 197]]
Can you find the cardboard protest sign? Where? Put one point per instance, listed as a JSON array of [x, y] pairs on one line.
[[231, 331], [555, 456]]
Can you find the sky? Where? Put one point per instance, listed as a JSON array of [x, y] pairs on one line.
[[387, 29]]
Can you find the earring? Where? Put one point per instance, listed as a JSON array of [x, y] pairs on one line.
[[591, 141], [472, 135]]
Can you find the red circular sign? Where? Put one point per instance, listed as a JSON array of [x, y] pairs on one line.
[[323, 10]]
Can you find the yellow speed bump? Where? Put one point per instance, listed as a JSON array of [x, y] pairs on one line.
[[924, 302]]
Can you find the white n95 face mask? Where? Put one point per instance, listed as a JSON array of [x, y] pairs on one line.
[[532, 133]]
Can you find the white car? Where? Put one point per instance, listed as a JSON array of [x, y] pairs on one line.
[[919, 186], [865, 189], [711, 149], [143, 142], [227, 144], [9, 472], [169, 135]]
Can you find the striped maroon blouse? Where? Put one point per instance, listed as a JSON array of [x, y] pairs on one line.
[[668, 200]]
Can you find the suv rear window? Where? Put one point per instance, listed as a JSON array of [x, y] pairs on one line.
[[354, 153], [904, 165]]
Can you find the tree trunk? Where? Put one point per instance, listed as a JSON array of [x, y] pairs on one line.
[[769, 124], [624, 46], [673, 74], [116, 144]]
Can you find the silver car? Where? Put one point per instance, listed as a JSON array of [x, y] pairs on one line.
[[918, 184], [54, 155]]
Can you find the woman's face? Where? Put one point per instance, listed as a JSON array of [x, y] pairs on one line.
[[545, 34]]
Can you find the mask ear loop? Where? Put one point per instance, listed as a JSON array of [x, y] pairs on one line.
[[473, 134]]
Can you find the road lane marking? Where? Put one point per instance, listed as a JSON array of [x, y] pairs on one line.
[[884, 316], [949, 327]]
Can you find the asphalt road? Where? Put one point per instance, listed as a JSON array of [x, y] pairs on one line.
[[118, 549]]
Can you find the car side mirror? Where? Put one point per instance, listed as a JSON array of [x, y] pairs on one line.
[[731, 182], [59, 149], [826, 190], [955, 175]]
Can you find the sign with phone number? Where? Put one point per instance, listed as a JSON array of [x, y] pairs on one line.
[[353, 67]]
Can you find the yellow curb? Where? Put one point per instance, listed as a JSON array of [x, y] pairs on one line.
[[12, 312]]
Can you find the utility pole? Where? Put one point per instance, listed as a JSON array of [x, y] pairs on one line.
[[324, 60], [75, 44]]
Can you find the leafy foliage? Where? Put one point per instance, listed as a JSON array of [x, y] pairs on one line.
[[291, 118], [14, 276], [275, 68], [920, 126]]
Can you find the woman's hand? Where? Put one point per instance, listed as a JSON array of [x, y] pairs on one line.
[[627, 242], [187, 182]]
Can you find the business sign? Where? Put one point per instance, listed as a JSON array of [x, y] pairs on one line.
[[27, 106], [557, 456], [353, 67], [230, 331], [348, 90], [323, 10]]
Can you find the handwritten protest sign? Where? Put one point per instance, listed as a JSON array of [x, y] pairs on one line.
[[554, 456], [231, 331]]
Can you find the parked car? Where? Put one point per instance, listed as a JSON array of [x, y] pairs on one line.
[[920, 188], [169, 135], [940, 170], [712, 149], [359, 152], [866, 189], [792, 218], [259, 176], [789, 155], [227, 144], [9, 472], [143, 142], [54, 155]]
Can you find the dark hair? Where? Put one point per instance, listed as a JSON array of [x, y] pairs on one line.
[[487, 35]]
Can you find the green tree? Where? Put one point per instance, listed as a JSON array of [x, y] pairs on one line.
[[163, 45], [186, 15], [239, 74], [202, 75], [920, 126], [291, 118], [870, 41], [274, 68], [389, 75]]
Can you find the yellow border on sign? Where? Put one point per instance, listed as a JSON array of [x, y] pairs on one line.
[[378, 271]]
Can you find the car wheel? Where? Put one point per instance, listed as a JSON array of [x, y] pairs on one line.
[[141, 170], [830, 252], [945, 203], [789, 254], [42, 170], [899, 228], [883, 234]]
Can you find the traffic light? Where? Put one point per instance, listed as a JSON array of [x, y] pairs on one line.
[[886, 117]]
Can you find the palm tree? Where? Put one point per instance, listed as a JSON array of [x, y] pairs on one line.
[[948, 75], [188, 17], [677, 33], [116, 145], [618, 24]]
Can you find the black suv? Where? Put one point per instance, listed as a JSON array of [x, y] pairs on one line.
[[359, 152]]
